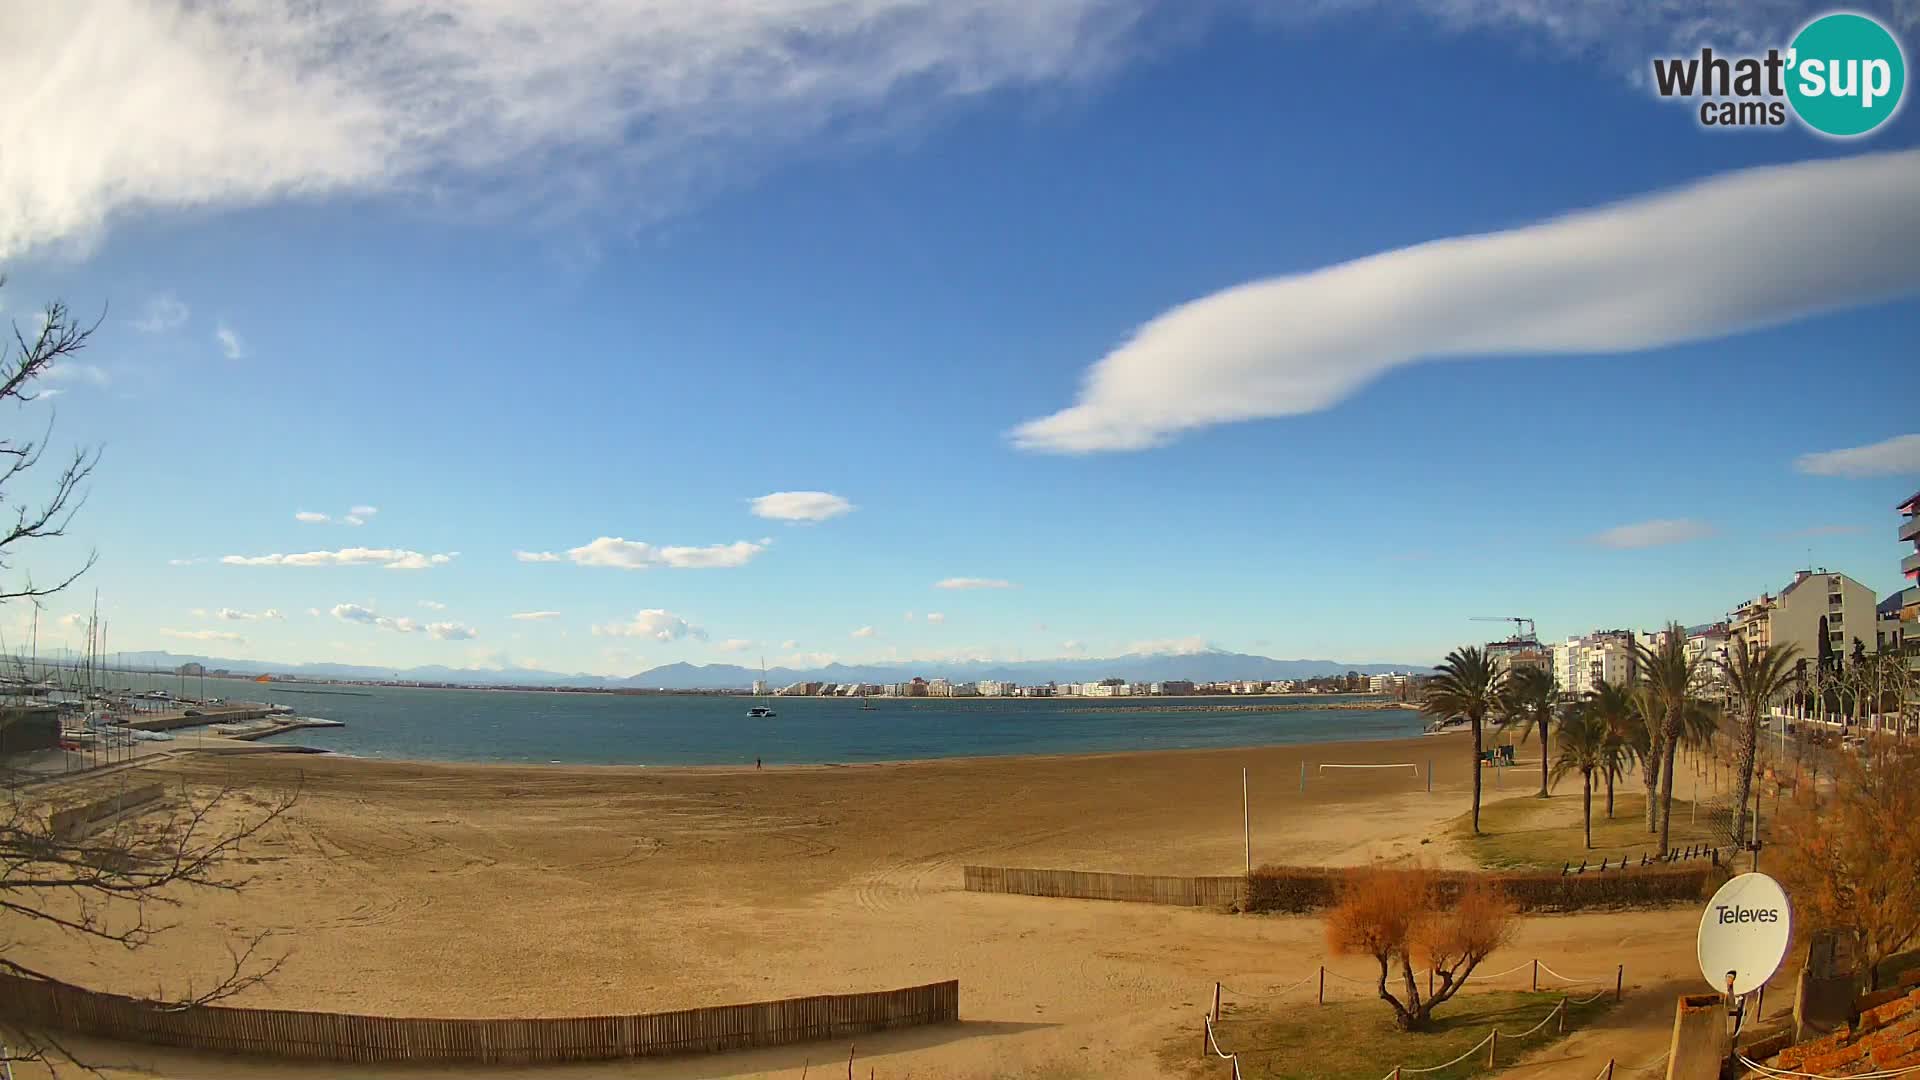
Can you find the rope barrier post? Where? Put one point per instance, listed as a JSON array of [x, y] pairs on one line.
[[1323, 985], [1609, 1069], [1493, 1046], [1619, 980], [1563, 1016], [1216, 1001], [1429, 776], [1536, 976], [1206, 1038], [1303, 778]]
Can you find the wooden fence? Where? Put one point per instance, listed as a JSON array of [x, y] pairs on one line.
[[29, 1003], [1225, 891]]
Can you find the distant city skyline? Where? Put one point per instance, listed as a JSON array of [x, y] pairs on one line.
[[1004, 335]]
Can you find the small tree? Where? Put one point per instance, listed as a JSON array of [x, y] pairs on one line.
[[1850, 858], [1755, 679], [1612, 704], [1583, 748], [1400, 918]]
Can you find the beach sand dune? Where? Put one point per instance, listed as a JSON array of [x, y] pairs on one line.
[[460, 890]]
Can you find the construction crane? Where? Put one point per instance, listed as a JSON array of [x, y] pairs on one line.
[[1522, 626]]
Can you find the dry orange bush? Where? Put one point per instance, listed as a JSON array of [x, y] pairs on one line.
[[1400, 917]]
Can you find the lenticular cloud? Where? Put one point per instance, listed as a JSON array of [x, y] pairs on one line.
[[1734, 252]]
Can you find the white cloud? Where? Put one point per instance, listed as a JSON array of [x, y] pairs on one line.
[[48, 394], [534, 616], [1073, 646], [433, 605], [163, 313], [863, 632], [73, 620], [972, 583], [452, 631], [64, 370], [314, 611], [389, 558], [636, 555], [735, 644], [802, 506], [655, 623], [936, 617], [1646, 534], [230, 344], [186, 562], [1890, 457], [640, 104], [356, 613], [231, 615], [789, 644], [807, 660], [204, 635], [1183, 646], [311, 517], [1641, 274], [360, 515]]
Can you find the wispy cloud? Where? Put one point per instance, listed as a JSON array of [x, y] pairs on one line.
[[1889, 457], [735, 644], [1646, 534], [801, 506], [655, 623], [973, 583], [360, 515], [357, 613], [311, 517], [534, 616], [1179, 646], [230, 344], [433, 605], [863, 632], [204, 635], [452, 631], [1641, 274], [636, 555], [163, 313], [936, 617], [656, 100], [232, 615], [187, 562], [390, 558]]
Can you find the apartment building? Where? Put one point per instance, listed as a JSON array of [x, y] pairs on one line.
[[1814, 603], [1580, 663]]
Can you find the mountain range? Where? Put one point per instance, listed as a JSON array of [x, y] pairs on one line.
[[1206, 666]]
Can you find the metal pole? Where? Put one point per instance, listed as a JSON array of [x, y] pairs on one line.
[[1619, 980], [1303, 778], [1246, 821], [1323, 988], [1429, 776], [1536, 977]]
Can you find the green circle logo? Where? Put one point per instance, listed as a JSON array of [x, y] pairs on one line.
[[1846, 74]]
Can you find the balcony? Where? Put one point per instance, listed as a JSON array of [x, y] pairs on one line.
[[1910, 528], [1911, 564]]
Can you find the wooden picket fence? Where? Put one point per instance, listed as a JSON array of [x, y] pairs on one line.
[[30, 1003], [1221, 891]]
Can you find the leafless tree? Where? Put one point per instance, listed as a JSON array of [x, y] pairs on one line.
[[27, 359], [107, 884]]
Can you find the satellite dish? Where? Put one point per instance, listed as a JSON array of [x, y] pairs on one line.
[[1744, 933]]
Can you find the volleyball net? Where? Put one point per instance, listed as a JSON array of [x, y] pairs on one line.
[[1348, 774]]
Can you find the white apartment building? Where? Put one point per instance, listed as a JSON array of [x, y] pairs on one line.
[[1580, 663], [1795, 616], [993, 688]]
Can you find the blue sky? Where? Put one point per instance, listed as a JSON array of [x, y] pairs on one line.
[[760, 251]]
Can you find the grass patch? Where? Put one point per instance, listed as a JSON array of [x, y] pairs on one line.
[[1538, 834], [1356, 1040]]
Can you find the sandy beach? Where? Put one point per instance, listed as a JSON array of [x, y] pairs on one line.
[[461, 890]]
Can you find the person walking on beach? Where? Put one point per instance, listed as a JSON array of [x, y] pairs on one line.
[[756, 764]]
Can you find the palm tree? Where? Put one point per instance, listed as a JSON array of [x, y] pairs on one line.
[[1528, 703], [1612, 704], [1650, 717], [1467, 688], [1673, 680], [1756, 678], [1581, 748]]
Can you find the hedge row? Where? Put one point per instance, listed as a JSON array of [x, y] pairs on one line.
[[1306, 888]]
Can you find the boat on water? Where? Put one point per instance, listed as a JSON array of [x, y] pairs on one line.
[[761, 712], [1442, 727]]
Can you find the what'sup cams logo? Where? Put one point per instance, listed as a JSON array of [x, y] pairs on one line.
[[1843, 75]]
